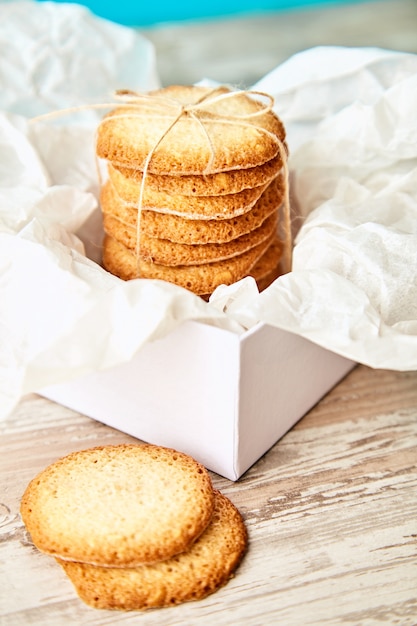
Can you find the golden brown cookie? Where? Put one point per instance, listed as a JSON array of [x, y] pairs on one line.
[[191, 231], [165, 252], [201, 279], [218, 184], [191, 130], [118, 506], [191, 207], [268, 267], [199, 571]]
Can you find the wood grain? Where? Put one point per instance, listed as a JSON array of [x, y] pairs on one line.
[[331, 512]]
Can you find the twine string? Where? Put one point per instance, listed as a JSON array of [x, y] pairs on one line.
[[162, 107]]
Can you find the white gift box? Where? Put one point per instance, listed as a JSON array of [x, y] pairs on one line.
[[221, 397], [187, 373]]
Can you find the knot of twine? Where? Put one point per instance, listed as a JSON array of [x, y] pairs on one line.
[[164, 107]]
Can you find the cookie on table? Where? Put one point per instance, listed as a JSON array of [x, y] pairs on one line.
[[118, 506], [238, 138], [192, 575]]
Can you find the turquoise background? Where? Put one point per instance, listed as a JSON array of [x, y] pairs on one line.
[[148, 12]]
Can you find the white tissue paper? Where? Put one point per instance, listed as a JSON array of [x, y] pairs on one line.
[[352, 131]]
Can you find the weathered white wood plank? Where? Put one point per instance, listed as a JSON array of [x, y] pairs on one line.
[[331, 511]]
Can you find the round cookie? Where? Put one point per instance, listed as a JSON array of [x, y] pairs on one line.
[[201, 279], [191, 231], [115, 199], [182, 230], [207, 565], [191, 207], [165, 252], [118, 506], [191, 130], [218, 184]]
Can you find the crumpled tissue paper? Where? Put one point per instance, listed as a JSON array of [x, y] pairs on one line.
[[352, 132]]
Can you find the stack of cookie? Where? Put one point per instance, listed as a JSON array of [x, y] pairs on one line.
[[195, 189], [135, 526]]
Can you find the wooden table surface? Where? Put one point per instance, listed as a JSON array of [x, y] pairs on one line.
[[331, 512], [331, 509]]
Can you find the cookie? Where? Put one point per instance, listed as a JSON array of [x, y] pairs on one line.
[[191, 130], [165, 252], [201, 279], [192, 575], [181, 229], [217, 184], [269, 266], [118, 506], [191, 207], [119, 196]]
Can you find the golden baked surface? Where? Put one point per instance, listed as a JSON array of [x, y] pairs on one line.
[[238, 138], [182, 226], [166, 252], [217, 184], [119, 505], [191, 207], [191, 575], [201, 279]]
